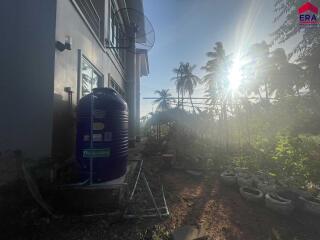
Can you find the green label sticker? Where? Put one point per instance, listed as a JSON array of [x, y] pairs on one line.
[[96, 153]]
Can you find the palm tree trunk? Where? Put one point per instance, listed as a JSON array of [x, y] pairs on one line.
[[259, 95], [178, 93], [226, 126], [182, 100], [191, 102]]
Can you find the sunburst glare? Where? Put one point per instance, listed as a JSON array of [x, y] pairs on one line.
[[234, 76]]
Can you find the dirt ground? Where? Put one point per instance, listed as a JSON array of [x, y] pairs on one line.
[[204, 202]]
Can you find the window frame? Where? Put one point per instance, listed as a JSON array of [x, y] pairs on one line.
[[115, 86], [81, 59], [98, 33], [115, 30]]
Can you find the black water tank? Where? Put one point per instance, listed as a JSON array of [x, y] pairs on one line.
[[108, 149]]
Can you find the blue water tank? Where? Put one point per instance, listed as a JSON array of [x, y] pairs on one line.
[[104, 115]]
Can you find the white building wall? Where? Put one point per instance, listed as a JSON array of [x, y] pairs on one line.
[[70, 23], [35, 73]]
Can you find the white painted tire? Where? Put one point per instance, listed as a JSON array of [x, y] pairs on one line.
[[279, 204], [229, 177], [311, 205], [251, 194]]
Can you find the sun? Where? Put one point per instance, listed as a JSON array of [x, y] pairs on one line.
[[235, 73]]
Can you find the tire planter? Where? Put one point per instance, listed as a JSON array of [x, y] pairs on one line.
[[311, 205], [251, 194], [266, 187], [301, 192], [264, 184], [294, 197], [279, 204], [244, 180], [229, 177]]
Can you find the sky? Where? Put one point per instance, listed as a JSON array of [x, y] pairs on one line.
[[186, 29]]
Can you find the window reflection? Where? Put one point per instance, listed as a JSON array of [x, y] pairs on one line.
[[90, 78]]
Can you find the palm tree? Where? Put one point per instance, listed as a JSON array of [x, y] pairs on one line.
[[179, 82], [217, 84], [257, 70], [286, 77], [163, 101], [216, 79], [190, 80], [310, 64]]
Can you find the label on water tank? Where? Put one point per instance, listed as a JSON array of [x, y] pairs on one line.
[[98, 126], [97, 137], [96, 153]]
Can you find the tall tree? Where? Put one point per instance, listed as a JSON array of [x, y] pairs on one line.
[[190, 80], [287, 14], [216, 78], [311, 74], [257, 70], [217, 85], [163, 101], [286, 77], [179, 82], [307, 50]]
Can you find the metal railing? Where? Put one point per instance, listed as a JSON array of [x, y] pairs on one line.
[[90, 13]]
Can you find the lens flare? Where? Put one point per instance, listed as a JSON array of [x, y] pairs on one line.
[[234, 76]]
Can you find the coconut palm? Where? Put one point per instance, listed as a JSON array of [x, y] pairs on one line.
[[217, 84], [257, 71], [286, 77], [190, 80], [179, 82], [216, 78], [271, 72], [163, 101], [311, 73]]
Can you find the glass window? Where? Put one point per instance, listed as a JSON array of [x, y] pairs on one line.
[[116, 35], [91, 78], [114, 85], [111, 28], [93, 11]]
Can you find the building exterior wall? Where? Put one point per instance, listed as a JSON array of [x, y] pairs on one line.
[[26, 84], [38, 117], [70, 22]]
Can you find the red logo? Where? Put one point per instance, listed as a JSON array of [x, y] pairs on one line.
[[308, 6], [308, 14]]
